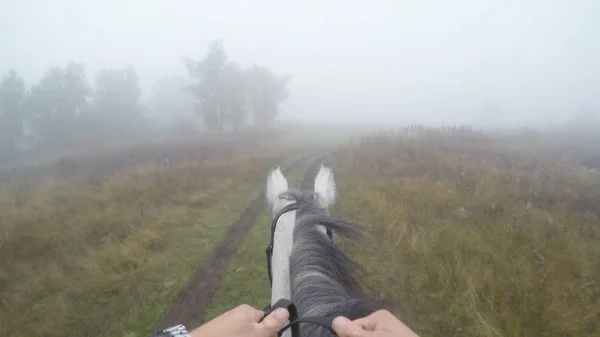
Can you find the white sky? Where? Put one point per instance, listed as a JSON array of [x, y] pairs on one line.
[[402, 61]]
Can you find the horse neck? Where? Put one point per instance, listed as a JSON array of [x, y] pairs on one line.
[[280, 261], [322, 277]]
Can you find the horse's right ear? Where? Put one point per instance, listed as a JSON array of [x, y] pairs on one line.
[[325, 185], [276, 184]]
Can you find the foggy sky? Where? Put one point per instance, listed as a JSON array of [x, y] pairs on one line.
[[402, 61]]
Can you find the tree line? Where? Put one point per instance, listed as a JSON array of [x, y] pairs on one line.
[[226, 93], [64, 108]]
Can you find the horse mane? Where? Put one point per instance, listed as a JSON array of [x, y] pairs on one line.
[[323, 280]]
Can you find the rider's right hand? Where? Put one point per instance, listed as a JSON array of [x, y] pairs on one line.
[[378, 324]]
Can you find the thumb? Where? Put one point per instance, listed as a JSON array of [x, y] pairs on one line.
[[272, 323], [344, 327]]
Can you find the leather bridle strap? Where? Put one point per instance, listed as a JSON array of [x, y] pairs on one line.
[[269, 249], [294, 324]]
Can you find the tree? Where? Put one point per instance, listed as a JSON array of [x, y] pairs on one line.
[[116, 106], [56, 101], [117, 97], [219, 88], [265, 92], [234, 103], [12, 94], [225, 93], [208, 76], [117, 101]]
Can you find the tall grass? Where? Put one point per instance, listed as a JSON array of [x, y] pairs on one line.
[[91, 251], [473, 237]]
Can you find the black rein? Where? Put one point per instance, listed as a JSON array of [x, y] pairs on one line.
[[294, 324], [269, 249]]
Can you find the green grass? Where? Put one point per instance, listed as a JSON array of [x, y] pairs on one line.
[[196, 237]]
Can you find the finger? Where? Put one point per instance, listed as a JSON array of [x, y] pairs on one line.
[[344, 327], [248, 312], [272, 323], [368, 323], [257, 315]]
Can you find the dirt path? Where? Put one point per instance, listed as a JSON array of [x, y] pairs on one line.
[[309, 177], [193, 300]]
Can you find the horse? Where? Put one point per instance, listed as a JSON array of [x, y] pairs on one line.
[[309, 274]]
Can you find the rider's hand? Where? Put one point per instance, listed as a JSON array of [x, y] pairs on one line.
[[378, 324], [243, 322]]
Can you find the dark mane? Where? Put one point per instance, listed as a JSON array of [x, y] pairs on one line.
[[323, 280]]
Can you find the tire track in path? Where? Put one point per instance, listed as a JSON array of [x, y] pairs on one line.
[[311, 172], [194, 299]]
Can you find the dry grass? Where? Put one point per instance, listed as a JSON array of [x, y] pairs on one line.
[[102, 160], [473, 238], [102, 246], [474, 235]]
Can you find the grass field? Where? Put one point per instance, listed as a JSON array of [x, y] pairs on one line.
[[86, 252], [473, 235], [473, 238]]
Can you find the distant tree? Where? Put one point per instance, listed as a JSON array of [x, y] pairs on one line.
[[55, 102], [224, 92], [218, 88], [12, 114], [234, 100], [208, 75], [265, 92], [116, 100]]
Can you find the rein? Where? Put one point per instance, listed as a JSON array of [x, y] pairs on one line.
[[294, 324]]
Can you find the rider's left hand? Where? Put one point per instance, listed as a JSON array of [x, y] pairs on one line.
[[243, 321]]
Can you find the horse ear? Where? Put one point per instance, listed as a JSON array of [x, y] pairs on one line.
[[276, 184], [325, 185]]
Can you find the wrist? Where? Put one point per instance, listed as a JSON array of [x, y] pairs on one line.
[[175, 331]]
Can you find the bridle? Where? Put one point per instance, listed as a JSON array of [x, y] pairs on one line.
[[294, 324]]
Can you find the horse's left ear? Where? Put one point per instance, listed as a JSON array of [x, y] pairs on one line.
[[325, 185], [276, 184]]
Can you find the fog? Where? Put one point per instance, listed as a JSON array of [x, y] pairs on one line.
[[475, 61]]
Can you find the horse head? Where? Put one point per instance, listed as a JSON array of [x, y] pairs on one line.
[[305, 266]]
